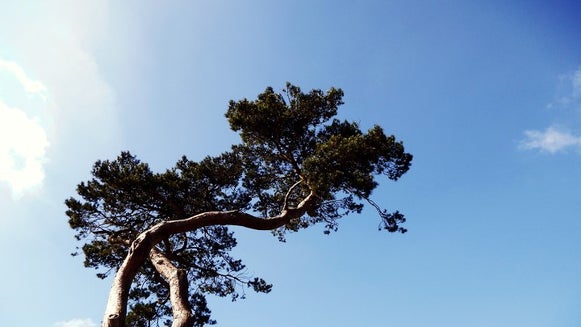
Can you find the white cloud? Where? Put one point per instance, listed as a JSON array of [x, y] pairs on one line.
[[552, 140], [23, 140], [557, 138], [23, 144], [29, 85], [56, 92], [76, 323]]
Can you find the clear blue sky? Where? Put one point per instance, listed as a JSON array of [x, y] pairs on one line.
[[485, 94]]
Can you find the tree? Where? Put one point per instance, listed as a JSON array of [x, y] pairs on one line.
[[166, 234]]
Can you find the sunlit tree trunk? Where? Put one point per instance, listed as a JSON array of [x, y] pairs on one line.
[[178, 288], [143, 246]]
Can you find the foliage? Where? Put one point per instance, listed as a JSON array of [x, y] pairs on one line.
[[291, 146]]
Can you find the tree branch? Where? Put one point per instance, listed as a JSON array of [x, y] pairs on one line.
[[116, 309], [285, 204]]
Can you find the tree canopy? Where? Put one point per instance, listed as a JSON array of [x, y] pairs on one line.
[[165, 234]]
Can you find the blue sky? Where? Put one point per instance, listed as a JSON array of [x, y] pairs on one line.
[[485, 94]]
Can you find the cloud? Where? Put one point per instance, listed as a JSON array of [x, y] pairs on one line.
[[569, 91], [76, 323], [23, 140], [23, 144], [556, 138], [576, 82], [552, 140], [53, 91], [29, 85]]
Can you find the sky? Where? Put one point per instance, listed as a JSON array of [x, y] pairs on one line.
[[485, 94]]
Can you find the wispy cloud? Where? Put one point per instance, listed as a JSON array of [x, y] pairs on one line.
[[576, 82], [557, 137], [76, 323], [30, 86], [569, 91], [551, 140]]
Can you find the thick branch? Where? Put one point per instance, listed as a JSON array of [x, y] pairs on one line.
[[178, 288], [144, 243]]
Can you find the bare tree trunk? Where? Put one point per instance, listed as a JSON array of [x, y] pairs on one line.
[[178, 288], [140, 249]]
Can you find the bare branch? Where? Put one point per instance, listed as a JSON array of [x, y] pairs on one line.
[[285, 204]]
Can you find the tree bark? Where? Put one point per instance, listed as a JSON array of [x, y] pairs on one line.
[[178, 288], [141, 247]]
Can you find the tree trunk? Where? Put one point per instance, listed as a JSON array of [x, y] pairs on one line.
[[141, 247], [178, 288]]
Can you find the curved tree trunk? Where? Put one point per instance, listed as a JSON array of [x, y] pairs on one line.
[[141, 248]]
